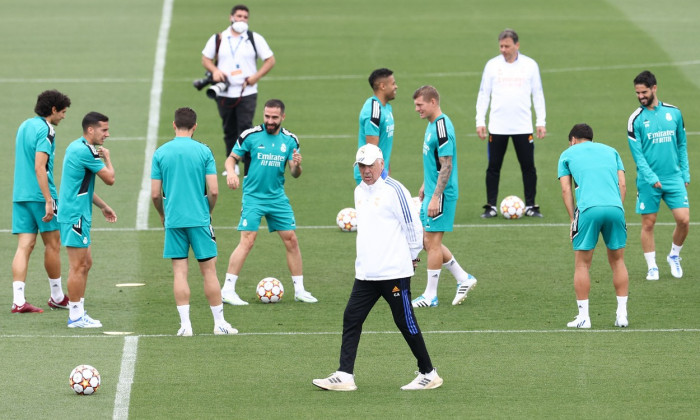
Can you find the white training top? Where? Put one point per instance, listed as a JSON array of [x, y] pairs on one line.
[[389, 231], [509, 86], [237, 59]]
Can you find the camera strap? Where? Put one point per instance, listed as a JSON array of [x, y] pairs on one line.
[[218, 44]]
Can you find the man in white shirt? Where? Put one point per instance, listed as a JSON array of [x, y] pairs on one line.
[[232, 56], [509, 82], [389, 238]]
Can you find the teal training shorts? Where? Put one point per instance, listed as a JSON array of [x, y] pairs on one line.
[[279, 216], [76, 235], [178, 241], [444, 221], [26, 217], [588, 225], [673, 192]]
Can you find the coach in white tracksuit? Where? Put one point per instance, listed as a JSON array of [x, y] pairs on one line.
[[389, 238]]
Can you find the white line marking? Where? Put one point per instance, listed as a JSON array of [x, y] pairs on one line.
[[126, 377], [135, 338], [498, 225], [153, 116], [324, 77]]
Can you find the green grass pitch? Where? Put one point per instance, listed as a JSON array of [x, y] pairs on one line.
[[504, 353]]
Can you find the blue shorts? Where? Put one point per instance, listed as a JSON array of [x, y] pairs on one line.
[[588, 225], [178, 241], [673, 192], [76, 235], [26, 217], [444, 221], [279, 216]]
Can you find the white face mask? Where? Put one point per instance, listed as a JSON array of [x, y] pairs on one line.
[[239, 27]]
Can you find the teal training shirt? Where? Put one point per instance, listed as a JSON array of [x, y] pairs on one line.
[[268, 157], [34, 135], [80, 164], [182, 165], [376, 120], [440, 141], [593, 166], [658, 144]]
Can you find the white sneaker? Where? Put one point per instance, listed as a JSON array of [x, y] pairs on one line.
[[621, 321], [424, 381], [224, 328], [337, 381], [463, 288], [675, 263], [233, 299], [580, 322], [84, 321], [653, 274], [305, 297], [185, 332]]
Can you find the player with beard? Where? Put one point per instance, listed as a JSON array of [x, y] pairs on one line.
[[656, 136], [271, 149]]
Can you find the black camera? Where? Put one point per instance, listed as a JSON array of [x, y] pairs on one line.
[[201, 83]]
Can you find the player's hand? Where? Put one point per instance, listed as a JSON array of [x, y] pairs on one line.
[[421, 193], [433, 207], [232, 180], [541, 131], [296, 158], [103, 152], [49, 211], [657, 185], [481, 131], [109, 214]]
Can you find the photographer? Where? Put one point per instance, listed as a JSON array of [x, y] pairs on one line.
[[232, 56]]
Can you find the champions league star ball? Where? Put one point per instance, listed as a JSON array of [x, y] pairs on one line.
[[347, 220], [84, 380], [512, 207], [270, 290]]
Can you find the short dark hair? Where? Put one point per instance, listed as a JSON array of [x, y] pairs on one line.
[[93, 119], [427, 92], [508, 33], [49, 99], [645, 78], [378, 74], [239, 7], [275, 103], [581, 131], [185, 118]]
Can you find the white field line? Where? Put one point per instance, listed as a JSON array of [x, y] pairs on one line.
[[130, 345], [497, 225], [154, 115], [126, 378]]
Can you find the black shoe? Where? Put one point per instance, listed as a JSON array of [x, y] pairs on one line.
[[533, 211], [489, 212]]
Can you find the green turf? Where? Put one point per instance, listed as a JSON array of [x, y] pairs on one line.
[[504, 353]]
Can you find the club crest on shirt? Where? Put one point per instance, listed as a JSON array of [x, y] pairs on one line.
[[283, 148], [669, 117]]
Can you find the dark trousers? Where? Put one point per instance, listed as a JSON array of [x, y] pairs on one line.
[[525, 150], [236, 117], [364, 295]]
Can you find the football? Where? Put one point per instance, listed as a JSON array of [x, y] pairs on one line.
[[512, 207], [270, 290], [84, 380], [347, 220]]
